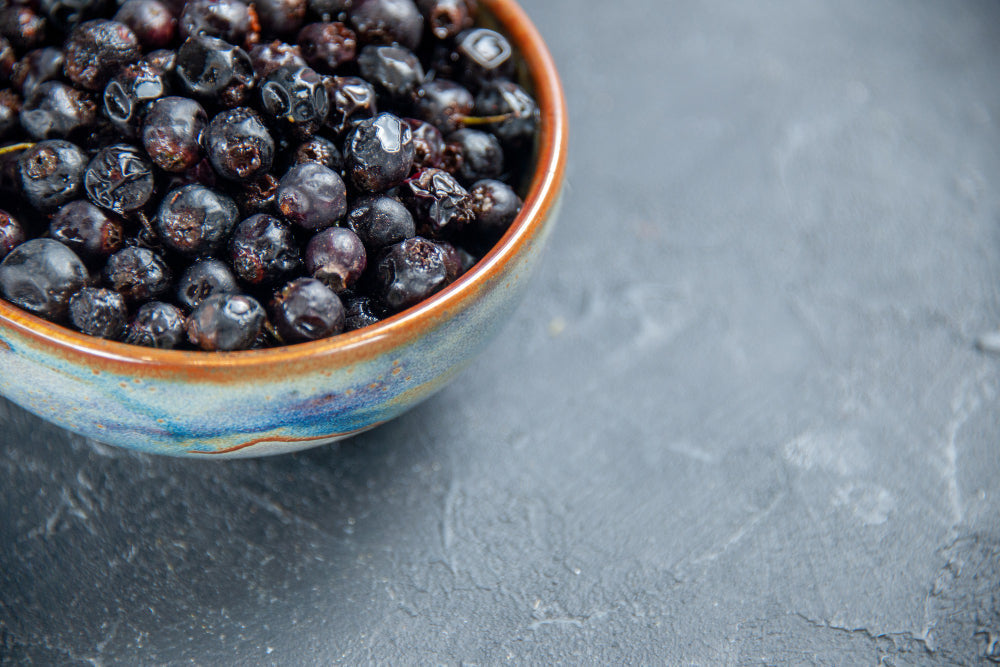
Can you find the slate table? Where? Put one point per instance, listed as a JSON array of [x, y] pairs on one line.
[[741, 417]]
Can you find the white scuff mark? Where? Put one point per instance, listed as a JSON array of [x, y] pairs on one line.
[[871, 504], [692, 451], [964, 404], [842, 454], [741, 532]]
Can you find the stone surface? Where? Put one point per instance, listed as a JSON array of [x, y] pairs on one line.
[[741, 418]]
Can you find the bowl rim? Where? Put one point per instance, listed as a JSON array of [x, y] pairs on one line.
[[349, 347]]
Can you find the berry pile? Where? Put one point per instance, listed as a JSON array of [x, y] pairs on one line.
[[227, 175]]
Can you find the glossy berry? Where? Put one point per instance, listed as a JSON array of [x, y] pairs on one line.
[[171, 133], [388, 22], [57, 110], [265, 58], [195, 220], [128, 94], [258, 195], [96, 49], [379, 153], [24, 27], [11, 233], [439, 202], [152, 22], [486, 53], [138, 274], [408, 272], [360, 311], [238, 144], [203, 279], [119, 178], [40, 276], [156, 324], [97, 311], [447, 18], [263, 250], [494, 206], [35, 68], [229, 20], [337, 258], [162, 60], [515, 105], [444, 104], [352, 100], [214, 70], [296, 99], [66, 14], [393, 70], [327, 46], [52, 173], [479, 154], [428, 144], [306, 309], [320, 150], [89, 231], [312, 196], [380, 221], [225, 322], [280, 17]]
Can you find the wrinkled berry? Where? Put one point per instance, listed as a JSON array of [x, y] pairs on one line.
[[128, 94], [336, 257], [360, 311], [119, 178], [258, 195], [388, 22], [443, 103], [40, 276], [35, 68], [379, 153], [225, 322], [57, 110], [52, 173], [446, 18], [225, 19], [238, 144], [11, 233], [156, 324], [96, 49], [214, 70], [97, 311], [439, 201], [23, 26], [195, 220], [352, 100], [138, 274], [162, 60], [408, 272], [262, 250], [89, 231], [312, 196], [327, 46], [494, 206], [296, 99], [152, 22], [265, 58], [203, 279], [320, 150], [428, 144], [171, 133], [380, 221], [393, 70], [280, 17], [306, 309]]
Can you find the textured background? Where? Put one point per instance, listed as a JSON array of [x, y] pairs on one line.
[[740, 418]]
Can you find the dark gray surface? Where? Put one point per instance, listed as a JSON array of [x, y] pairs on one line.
[[740, 418]]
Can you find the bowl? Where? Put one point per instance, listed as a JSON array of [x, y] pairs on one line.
[[261, 402]]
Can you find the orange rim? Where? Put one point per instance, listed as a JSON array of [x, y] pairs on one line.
[[393, 331]]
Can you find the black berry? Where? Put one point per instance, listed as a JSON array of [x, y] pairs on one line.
[[96, 49], [388, 22], [138, 274], [171, 133], [379, 153], [225, 322], [262, 250], [306, 309], [156, 324], [214, 70], [152, 22], [312, 196], [203, 279], [196, 220], [238, 144], [90, 232], [119, 178], [11, 233], [337, 258], [296, 99], [98, 312], [380, 221], [40, 276], [52, 173], [57, 110], [408, 272]]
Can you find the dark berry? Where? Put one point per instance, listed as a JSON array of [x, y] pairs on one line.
[[439, 201], [312, 196], [89, 231], [408, 272], [486, 51], [66, 14], [296, 99], [52, 173], [23, 26], [40, 276], [352, 100], [258, 195], [380, 221], [138, 274], [203, 279], [37, 67], [57, 110], [96, 49], [393, 70], [128, 94], [215, 70], [388, 22], [360, 311], [428, 144], [238, 144], [262, 250], [10, 112], [306, 309], [266, 58], [280, 17], [494, 206], [327, 46], [11, 233], [336, 257], [227, 19], [518, 110], [379, 153], [156, 324], [119, 178], [8, 58], [97, 311], [171, 133], [446, 18], [444, 104], [195, 220], [320, 150], [162, 60], [329, 10], [479, 154], [225, 322], [152, 22]]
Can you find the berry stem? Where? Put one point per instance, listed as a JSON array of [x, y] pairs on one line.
[[13, 148], [483, 120]]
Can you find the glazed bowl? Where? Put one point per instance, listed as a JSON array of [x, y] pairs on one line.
[[279, 400]]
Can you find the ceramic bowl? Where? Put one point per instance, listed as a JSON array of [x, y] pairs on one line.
[[280, 400]]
